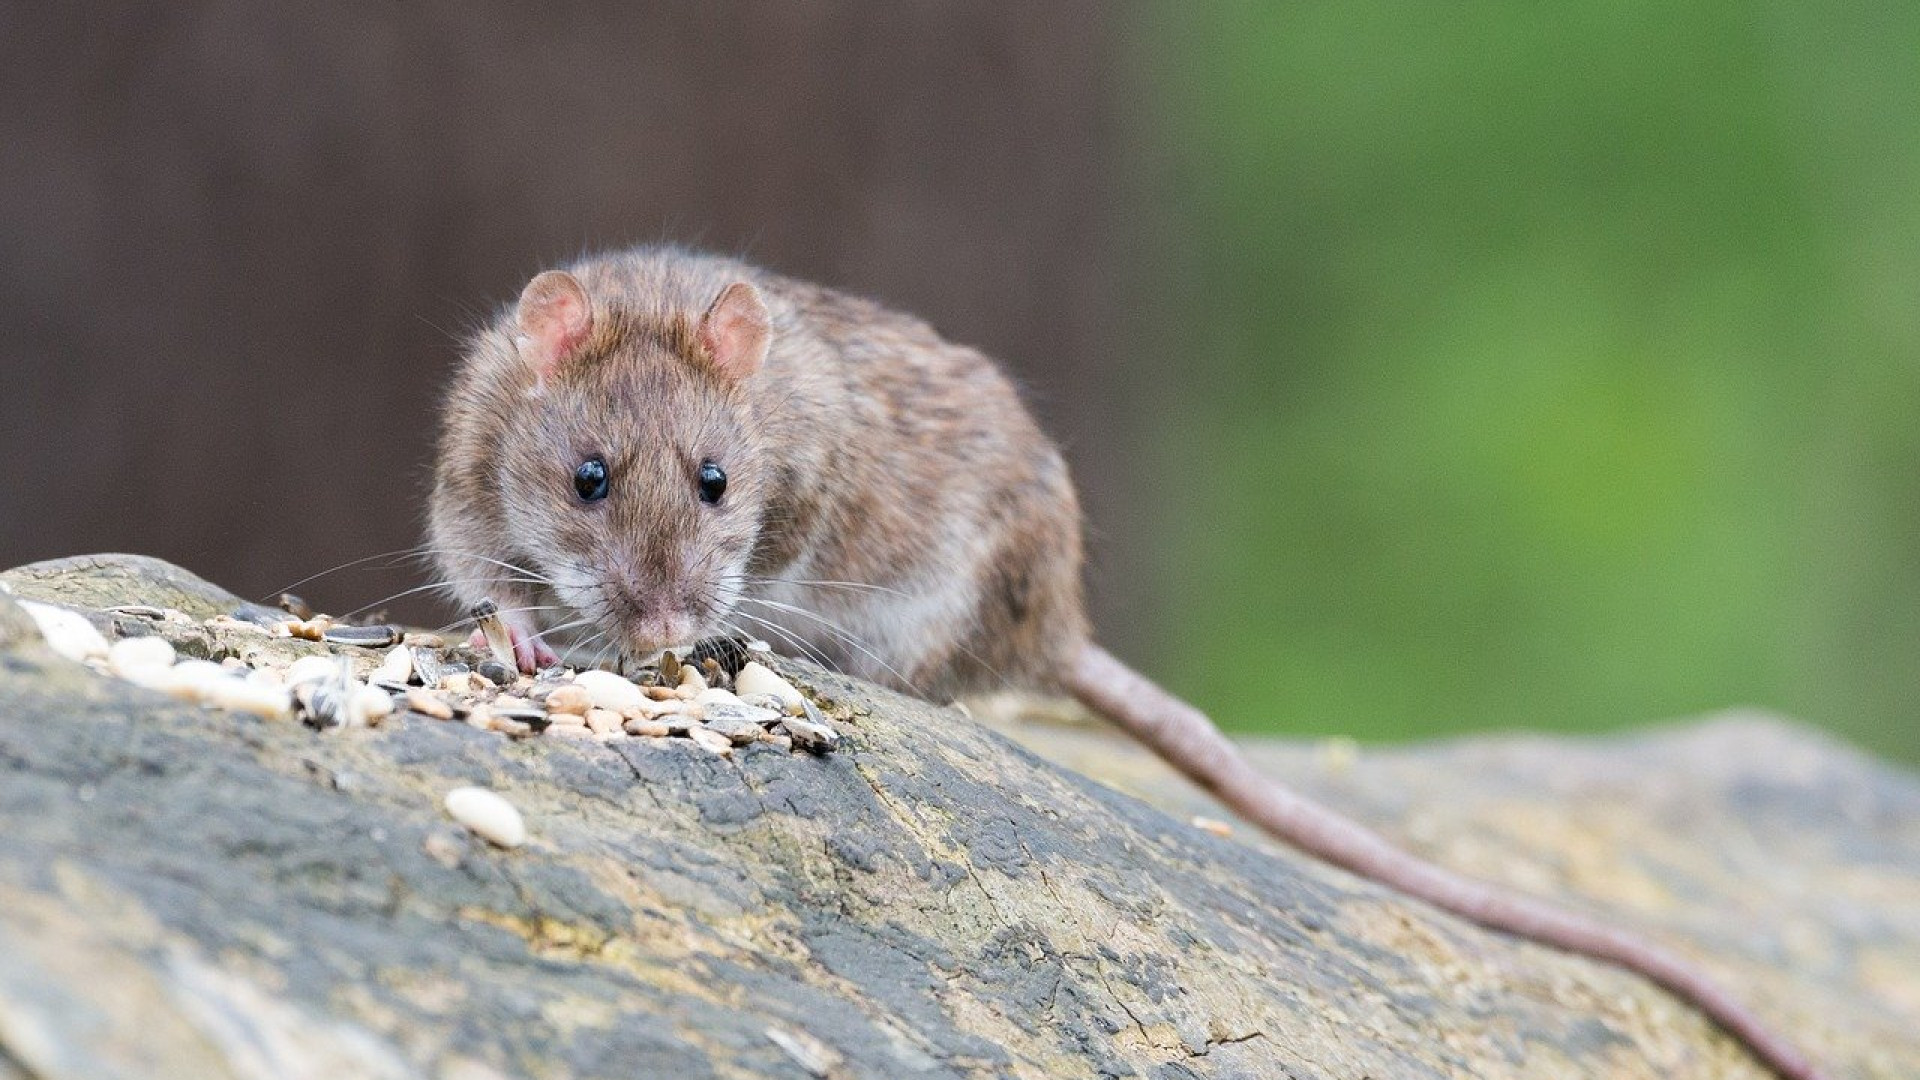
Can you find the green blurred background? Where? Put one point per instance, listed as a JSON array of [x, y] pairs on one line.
[[1547, 366], [1425, 368]]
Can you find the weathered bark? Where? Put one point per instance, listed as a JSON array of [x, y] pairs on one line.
[[191, 892]]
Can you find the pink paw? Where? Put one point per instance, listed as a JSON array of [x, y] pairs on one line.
[[530, 654]]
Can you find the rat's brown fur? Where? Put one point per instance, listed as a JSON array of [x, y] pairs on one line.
[[891, 508], [867, 450]]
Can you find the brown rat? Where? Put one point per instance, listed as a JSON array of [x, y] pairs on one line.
[[654, 446]]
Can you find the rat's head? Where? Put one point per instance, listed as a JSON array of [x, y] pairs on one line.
[[631, 475]]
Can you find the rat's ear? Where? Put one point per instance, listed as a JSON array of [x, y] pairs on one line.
[[555, 317], [735, 331]]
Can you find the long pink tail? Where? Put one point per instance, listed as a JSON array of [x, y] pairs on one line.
[[1185, 738]]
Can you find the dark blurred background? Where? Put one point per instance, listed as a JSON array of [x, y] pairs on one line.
[[1423, 368]]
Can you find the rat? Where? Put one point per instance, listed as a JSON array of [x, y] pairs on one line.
[[655, 445]]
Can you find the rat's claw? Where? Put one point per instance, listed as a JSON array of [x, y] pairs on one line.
[[530, 654]]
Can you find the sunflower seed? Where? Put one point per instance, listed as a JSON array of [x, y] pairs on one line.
[[489, 815]]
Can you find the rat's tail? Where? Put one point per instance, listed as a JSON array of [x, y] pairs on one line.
[[1186, 739]]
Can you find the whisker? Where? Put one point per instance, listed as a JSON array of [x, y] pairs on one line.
[[838, 631], [818, 584], [543, 579], [563, 627], [466, 619], [438, 585], [394, 554], [806, 650]]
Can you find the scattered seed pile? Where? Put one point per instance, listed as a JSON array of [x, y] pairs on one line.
[[719, 696]]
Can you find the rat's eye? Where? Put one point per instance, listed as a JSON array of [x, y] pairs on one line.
[[590, 479], [713, 482]]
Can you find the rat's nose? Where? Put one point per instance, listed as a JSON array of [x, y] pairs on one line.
[[646, 620]]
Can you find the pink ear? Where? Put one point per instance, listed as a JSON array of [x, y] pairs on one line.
[[735, 331], [555, 317]]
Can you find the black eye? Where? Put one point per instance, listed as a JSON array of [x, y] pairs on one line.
[[590, 479], [713, 482]]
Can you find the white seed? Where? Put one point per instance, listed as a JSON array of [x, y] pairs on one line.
[[139, 654], [811, 734], [312, 669], [68, 632], [570, 731], [488, 815], [239, 695], [738, 712], [691, 681], [712, 740], [569, 699], [609, 691], [757, 678], [602, 721], [189, 680], [397, 667], [368, 706], [712, 695]]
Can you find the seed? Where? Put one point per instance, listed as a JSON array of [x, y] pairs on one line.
[[491, 817], [570, 731], [508, 726], [295, 606], [368, 706], [654, 729], [480, 716], [495, 672], [486, 614], [425, 641], [307, 629], [68, 632], [190, 680], [735, 730], [427, 665], [602, 721], [397, 667], [142, 655], [426, 704], [570, 698], [757, 678], [810, 735], [712, 740], [691, 681], [138, 611], [269, 702], [367, 637], [737, 711], [311, 669], [1212, 825], [609, 691]]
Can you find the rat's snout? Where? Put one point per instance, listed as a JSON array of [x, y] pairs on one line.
[[648, 618]]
